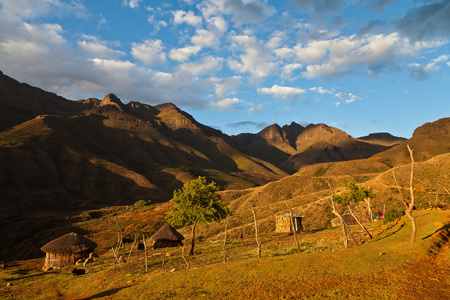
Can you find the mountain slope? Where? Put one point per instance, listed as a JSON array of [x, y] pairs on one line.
[[293, 147], [382, 138], [105, 152], [428, 140]]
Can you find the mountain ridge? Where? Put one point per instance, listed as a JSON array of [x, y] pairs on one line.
[[58, 157]]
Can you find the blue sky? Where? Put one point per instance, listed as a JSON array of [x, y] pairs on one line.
[[241, 65]]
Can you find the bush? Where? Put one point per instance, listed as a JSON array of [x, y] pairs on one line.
[[141, 203], [392, 215]]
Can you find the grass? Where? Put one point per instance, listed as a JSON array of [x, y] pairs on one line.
[[378, 269]]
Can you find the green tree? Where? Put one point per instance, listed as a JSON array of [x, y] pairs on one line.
[[356, 194], [196, 202]]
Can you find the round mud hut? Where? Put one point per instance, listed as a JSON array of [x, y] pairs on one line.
[[166, 237], [67, 249]]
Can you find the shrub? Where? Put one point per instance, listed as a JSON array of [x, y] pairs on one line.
[[141, 203], [392, 215]]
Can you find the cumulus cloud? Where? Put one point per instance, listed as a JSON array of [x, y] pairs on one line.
[[255, 60], [182, 54], [347, 97], [98, 49], [224, 104], [156, 23], [256, 108], [345, 55], [13, 11], [206, 65], [151, 51], [225, 86], [423, 72], [205, 38], [132, 3], [189, 17], [282, 91], [241, 11], [289, 69], [320, 90]]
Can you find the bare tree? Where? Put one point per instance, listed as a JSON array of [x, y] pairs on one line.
[[337, 214], [184, 257], [398, 188], [294, 228], [411, 203], [256, 235], [359, 223], [145, 253], [132, 246], [446, 190], [225, 242], [344, 225]]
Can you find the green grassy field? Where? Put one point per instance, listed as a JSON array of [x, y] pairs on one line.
[[387, 267]]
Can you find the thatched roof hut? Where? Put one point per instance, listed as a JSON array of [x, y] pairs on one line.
[[166, 237], [67, 249]]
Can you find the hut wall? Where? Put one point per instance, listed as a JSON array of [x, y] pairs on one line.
[[64, 259], [283, 224], [166, 244]]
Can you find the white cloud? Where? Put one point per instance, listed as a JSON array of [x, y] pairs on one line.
[[320, 90], [132, 3], [282, 91], [19, 10], [49, 34], [182, 54], [289, 69], [219, 23], [241, 11], [276, 40], [205, 38], [225, 86], [256, 60], [156, 24], [423, 72], [256, 108], [283, 53], [208, 64], [225, 104], [181, 16], [163, 78], [151, 51], [98, 50], [348, 54], [348, 97]]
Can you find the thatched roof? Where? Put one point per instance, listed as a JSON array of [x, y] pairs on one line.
[[167, 232], [69, 243]]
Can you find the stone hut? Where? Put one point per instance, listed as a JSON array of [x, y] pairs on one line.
[[166, 237], [67, 249], [283, 223]]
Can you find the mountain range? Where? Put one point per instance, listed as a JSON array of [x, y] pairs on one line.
[[59, 155]]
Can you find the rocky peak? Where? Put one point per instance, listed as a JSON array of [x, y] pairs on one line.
[[112, 100], [291, 132], [273, 132]]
